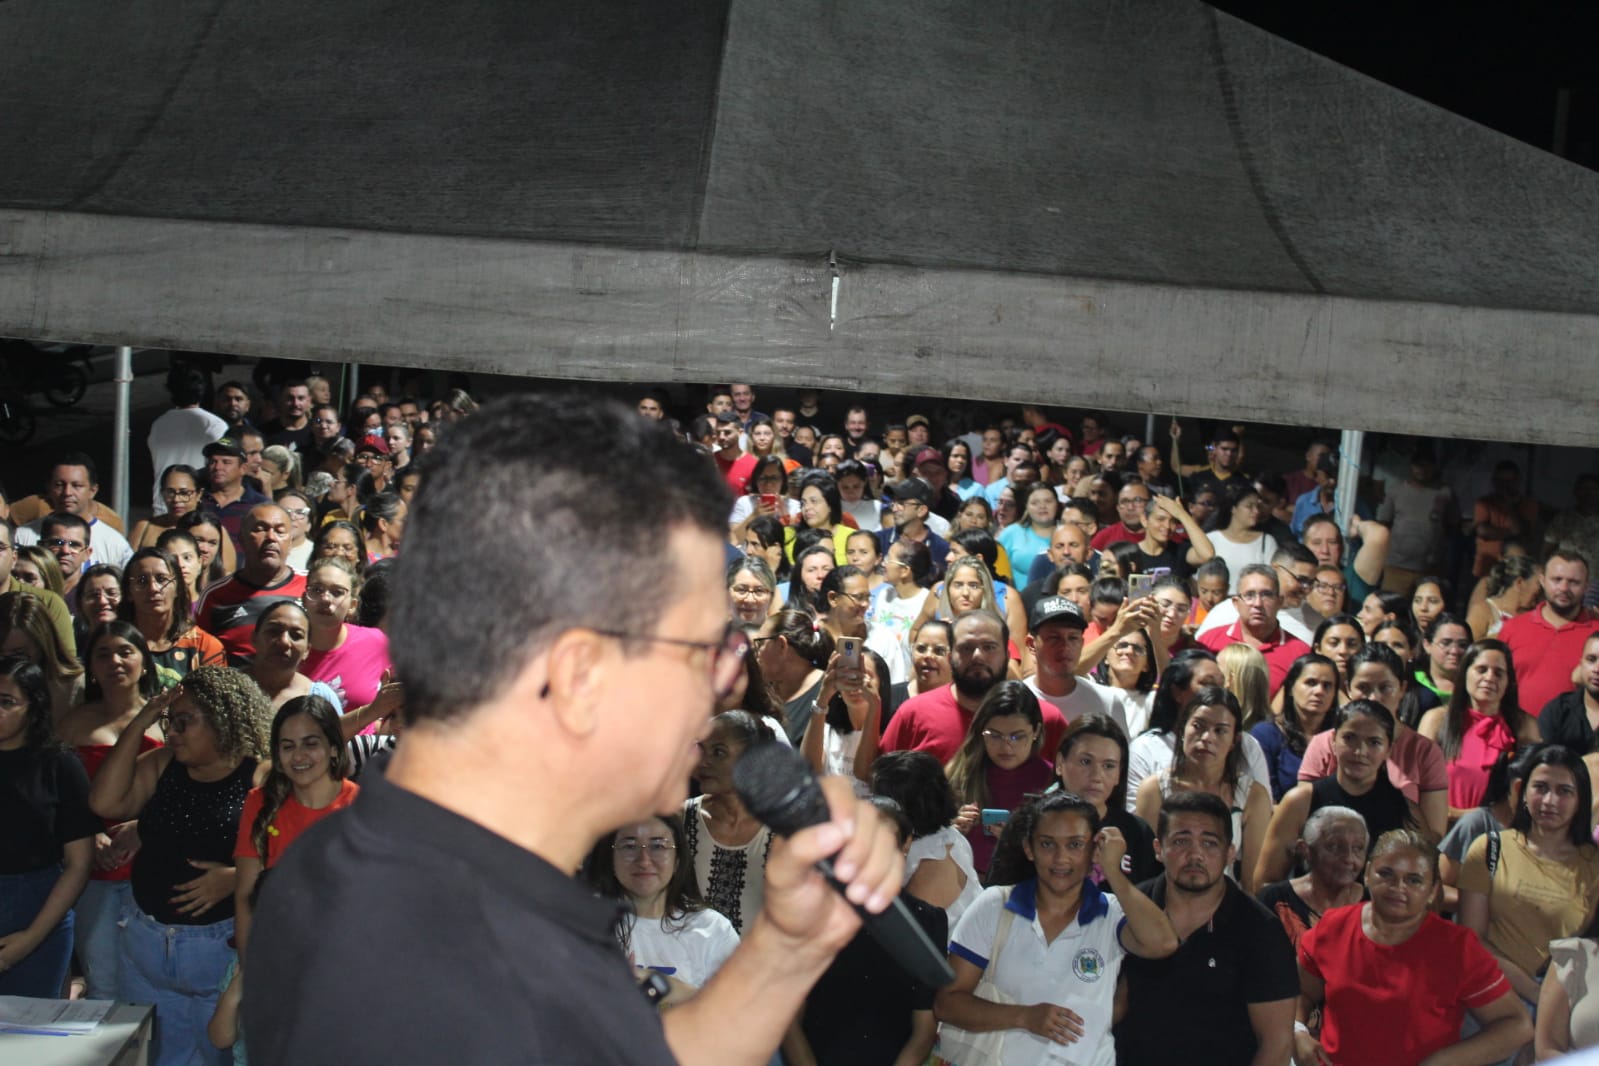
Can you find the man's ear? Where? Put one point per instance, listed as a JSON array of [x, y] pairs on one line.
[[577, 668]]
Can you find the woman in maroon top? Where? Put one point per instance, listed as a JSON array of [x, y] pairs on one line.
[[998, 765]]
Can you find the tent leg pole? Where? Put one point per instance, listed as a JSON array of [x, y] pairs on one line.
[[1349, 448], [1149, 434], [122, 432], [355, 385]]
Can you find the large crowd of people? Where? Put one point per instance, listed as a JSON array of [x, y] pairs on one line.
[[1183, 766]]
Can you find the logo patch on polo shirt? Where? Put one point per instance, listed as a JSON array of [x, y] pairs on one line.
[[1089, 965]]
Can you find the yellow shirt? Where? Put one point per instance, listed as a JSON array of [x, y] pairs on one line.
[[1531, 901]]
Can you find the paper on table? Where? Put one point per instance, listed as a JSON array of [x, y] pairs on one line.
[[21, 1014]]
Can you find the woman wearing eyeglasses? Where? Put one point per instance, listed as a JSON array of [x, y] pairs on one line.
[[98, 593], [998, 765], [1130, 668], [155, 598], [299, 508], [351, 659], [751, 588], [669, 929], [188, 797], [180, 491]]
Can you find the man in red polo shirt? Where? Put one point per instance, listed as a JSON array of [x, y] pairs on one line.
[[1258, 598], [1546, 644], [936, 722]]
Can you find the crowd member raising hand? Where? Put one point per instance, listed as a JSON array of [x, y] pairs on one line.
[[1048, 941]]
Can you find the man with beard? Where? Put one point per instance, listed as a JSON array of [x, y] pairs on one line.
[[1229, 993], [936, 722], [1259, 598], [1546, 643], [1568, 718], [229, 609]]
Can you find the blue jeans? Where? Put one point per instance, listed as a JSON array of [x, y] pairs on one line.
[[178, 969], [99, 916], [44, 972]]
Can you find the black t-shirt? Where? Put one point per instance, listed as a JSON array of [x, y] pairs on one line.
[[1174, 558], [860, 1009], [44, 803], [1206, 480], [1139, 864], [1565, 721], [1194, 1005], [298, 440], [476, 950], [1384, 807], [187, 819]]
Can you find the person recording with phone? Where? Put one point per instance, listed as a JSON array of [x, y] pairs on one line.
[[998, 765], [490, 804]]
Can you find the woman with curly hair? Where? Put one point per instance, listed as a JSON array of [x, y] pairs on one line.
[[46, 837], [188, 797], [306, 783]]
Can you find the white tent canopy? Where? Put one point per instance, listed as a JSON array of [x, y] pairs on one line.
[[1141, 207]]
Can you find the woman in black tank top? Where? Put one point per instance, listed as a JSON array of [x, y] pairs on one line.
[[1361, 738], [188, 796]]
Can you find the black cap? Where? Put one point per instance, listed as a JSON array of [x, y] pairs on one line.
[[1056, 609], [913, 488], [223, 446]]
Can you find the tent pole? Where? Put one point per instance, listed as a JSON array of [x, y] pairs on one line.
[[355, 386], [1350, 445], [122, 431], [1149, 435]]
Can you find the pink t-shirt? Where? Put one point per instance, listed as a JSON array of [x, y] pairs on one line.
[[355, 668], [1415, 764]]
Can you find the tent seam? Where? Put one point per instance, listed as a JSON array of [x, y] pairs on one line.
[[114, 165], [1246, 155]]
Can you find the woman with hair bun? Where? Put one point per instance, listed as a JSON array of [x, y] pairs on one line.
[[793, 650]]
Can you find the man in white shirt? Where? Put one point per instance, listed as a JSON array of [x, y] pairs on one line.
[[177, 436], [1056, 639]]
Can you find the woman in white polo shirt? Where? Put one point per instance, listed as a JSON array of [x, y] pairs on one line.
[[1049, 941]]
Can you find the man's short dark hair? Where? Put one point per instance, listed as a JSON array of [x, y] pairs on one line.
[[78, 459], [291, 383], [1195, 803], [549, 552], [60, 519], [185, 385], [1292, 552]]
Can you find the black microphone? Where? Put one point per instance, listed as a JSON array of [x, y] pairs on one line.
[[779, 788]]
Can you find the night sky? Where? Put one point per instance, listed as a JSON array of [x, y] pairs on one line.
[[1500, 64]]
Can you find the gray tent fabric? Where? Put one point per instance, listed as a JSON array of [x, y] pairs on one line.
[[1136, 206]]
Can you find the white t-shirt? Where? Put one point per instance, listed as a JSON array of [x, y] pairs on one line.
[[947, 843], [744, 506], [178, 437], [1151, 753], [1089, 697], [868, 514], [1238, 556], [692, 951], [888, 628], [1077, 970]]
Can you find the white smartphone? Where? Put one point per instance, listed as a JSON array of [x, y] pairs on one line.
[[1138, 585]]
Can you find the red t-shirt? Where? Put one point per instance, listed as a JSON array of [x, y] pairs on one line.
[[228, 610], [1279, 654], [293, 818], [933, 722], [1113, 533], [1396, 1003], [1544, 656], [93, 756]]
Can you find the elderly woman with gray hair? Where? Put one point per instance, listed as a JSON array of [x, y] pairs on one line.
[[1332, 849]]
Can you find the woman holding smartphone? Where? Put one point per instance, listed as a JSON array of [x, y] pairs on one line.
[[998, 765]]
